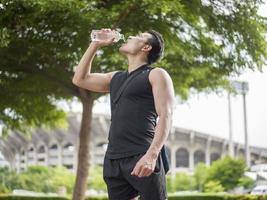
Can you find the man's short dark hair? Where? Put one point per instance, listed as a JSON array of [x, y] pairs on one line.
[[157, 43]]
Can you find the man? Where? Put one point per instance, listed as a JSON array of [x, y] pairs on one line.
[[133, 164]]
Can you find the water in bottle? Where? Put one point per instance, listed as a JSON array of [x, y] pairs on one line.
[[97, 36]]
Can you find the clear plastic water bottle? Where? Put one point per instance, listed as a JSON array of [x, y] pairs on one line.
[[97, 36]]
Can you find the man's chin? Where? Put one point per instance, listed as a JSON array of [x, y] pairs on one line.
[[122, 49]]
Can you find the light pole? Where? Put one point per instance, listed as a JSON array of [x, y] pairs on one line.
[[242, 88], [231, 147]]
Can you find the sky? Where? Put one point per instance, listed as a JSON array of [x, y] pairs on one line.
[[209, 113]]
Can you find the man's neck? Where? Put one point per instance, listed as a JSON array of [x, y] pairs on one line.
[[134, 65]]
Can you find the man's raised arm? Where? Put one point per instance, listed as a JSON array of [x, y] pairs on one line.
[[97, 82]]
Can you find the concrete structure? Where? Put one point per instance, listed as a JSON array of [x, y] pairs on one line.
[[3, 162], [56, 147], [258, 173]]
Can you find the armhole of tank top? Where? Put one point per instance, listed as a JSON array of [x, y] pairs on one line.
[[118, 72], [150, 86]]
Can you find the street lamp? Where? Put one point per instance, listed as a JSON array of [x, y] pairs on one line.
[[242, 88], [231, 146]]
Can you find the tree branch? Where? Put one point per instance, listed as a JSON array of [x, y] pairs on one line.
[[123, 15], [69, 88]]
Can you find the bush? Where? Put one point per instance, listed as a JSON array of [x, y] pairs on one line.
[[201, 172], [38, 179], [97, 198], [4, 189], [227, 171], [11, 197], [183, 181], [171, 197], [6, 179], [224, 174], [95, 179], [170, 184], [246, 182], [213, 186], [196, 197], [215, 197]]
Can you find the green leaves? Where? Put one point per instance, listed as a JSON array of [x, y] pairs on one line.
[[227, 171], [4, 37], [42, 40], [38, 179], [223, 175], [213, 187], [37, 60], [201, 175]]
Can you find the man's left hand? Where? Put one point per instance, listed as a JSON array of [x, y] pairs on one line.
[[144, 167]]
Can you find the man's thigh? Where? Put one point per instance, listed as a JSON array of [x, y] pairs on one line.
[[118, 187], [152, 187]]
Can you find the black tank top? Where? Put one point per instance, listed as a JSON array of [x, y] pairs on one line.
[[133, 117]]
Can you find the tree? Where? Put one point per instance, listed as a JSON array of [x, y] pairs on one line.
[[227, 172], [42, 41]]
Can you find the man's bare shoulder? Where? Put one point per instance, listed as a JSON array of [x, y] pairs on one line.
[[111, 74], [158, 74]]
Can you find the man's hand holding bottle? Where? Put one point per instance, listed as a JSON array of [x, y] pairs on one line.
[[105, 37]]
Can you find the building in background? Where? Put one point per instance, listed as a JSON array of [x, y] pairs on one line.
[[3, 162], [58, 147]]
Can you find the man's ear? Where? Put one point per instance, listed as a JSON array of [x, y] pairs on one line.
[[147, 48]]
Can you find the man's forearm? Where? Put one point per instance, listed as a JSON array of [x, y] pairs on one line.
[[161, 134], [84, 66]]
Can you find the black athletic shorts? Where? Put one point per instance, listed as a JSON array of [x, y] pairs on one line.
[[122, 185]]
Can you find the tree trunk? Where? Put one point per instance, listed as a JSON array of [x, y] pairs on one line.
[[84, 142]]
